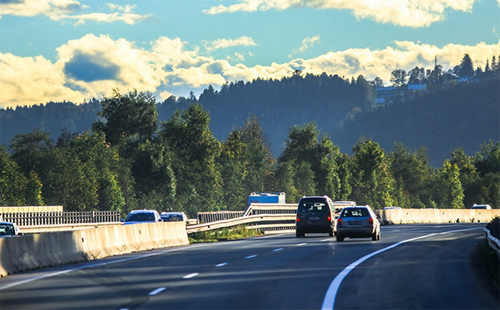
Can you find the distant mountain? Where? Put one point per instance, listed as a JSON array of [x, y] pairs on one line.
[[52, 117]]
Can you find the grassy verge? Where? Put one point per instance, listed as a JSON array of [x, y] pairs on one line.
[[224, 234], [491, 262]]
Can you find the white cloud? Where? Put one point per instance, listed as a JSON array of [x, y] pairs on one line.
[[69, 10], [93, 65], [39, 7], [308, 43], [411, 13], [227, 43]]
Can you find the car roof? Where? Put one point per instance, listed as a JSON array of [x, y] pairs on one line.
[[7, 223], [307, 197], [143, 211]]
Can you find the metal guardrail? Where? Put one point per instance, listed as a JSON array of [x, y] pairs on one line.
[[60, 218], [276, 220], [267, 217], [263, 208], [63, 227], [492, 241], [207, 217]]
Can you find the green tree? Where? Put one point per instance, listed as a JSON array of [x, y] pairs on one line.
[[129, 117], [398, 77], [469, 177], [466, 67], [195, 151], [411, 172], [246, 164], [372, 182], [100, 164], [453, 193], [154, 175], [302, 146], [13, 183], [285, 175], [28, 149]]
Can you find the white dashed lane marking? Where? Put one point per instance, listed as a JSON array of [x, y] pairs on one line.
[[221, 264], [251, 256], [157, 291], [277, 250], [191, 275]]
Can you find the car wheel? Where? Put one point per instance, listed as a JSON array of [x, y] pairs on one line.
[[331, 233], [299, 233], [339, 238]]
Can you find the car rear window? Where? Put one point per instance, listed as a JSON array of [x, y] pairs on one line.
[[7, 230], [140, 217], [313, 205], [354, 212]]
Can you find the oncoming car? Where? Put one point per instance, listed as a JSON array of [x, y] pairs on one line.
[[142, 216], [8, 229], [174, 217], [315, 214], [357, 222], [483, 206]]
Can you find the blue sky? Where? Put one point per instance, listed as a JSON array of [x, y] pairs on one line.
[[55, 50]]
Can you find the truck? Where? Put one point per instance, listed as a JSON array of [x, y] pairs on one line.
[[270, 197]]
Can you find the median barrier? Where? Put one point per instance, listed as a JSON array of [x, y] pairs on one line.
[[29, 252], [6, 266], [437, 216]]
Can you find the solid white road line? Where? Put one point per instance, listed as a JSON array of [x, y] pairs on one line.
[[329, 301], [157, 291]]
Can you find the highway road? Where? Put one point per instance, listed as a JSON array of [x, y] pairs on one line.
[[412, 267]]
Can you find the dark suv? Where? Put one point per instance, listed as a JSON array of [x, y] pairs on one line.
[[315, 214]]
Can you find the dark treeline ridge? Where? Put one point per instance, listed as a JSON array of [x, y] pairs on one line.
[[460, 116], [131, 160]]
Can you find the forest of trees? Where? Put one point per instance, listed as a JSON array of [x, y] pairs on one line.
[[129, 157]]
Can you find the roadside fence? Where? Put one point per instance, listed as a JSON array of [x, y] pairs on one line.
[[60, 218]]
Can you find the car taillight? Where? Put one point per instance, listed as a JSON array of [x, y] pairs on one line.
[[370, 221], [297, 220], [339, 222], [329, 217]]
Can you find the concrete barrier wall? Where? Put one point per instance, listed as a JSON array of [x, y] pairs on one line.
[[22, 209], [422, 216], [31, 252]]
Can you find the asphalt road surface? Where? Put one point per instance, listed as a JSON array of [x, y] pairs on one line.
[[412, 267]]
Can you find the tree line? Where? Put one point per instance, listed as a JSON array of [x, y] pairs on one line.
[[129, 159]]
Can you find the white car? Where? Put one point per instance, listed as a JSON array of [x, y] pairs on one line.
[[8, 229], [142, 216], [485, 206]]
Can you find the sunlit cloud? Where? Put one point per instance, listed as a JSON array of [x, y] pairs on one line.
[[39, 7], [410, 13], [61, 10], [228, 43], [308, 43], [93, 65]]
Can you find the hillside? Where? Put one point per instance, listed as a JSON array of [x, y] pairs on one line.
[[465, 115]]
